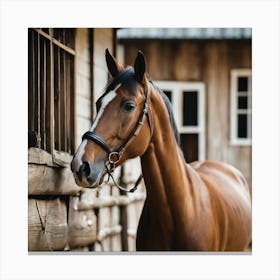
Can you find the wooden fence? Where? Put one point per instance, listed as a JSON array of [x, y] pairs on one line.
[[64, 217]]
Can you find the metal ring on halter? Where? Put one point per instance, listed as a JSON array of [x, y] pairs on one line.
[[111, 157]]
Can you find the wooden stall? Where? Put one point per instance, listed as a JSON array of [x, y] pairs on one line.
[[66, 74]]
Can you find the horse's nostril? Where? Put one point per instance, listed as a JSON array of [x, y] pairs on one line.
[[84, 170]]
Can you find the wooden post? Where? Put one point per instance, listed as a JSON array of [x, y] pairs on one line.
[[123, 215], [91, 50]]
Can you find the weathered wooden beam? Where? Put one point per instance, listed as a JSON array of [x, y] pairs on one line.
[[47, 225], [45, 180], [57, 159]]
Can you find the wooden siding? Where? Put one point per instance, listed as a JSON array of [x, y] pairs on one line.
[[210, 62], [82, 85], [61, 215]]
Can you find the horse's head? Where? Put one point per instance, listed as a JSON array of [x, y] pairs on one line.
[[120, 130]]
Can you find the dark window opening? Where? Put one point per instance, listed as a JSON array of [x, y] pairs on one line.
[[190, 108], [189, 145], [242, 102], [242, 83], [242, 126]]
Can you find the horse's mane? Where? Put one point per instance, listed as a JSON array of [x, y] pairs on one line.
[[170, 112]]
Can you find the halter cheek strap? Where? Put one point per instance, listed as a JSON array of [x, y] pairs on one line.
[[114, 156]]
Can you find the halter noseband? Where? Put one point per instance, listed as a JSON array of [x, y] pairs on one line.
[[115, 155]]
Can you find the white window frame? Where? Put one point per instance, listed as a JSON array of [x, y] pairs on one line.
[[177, 89], [234, 111]]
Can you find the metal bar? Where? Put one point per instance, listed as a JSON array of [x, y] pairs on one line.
[[58, 120], [38, 94], [51, 96], [68, 106], [54, 41], [48, 93], [45, 97], [73, 104], [65, 92], [32, 114]]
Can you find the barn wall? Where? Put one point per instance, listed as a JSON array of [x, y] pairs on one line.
[[62, 216], [83, 83], [103, 38], [208, 61]]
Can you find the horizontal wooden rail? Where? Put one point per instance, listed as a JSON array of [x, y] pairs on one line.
[[108, 232], [109, 201]]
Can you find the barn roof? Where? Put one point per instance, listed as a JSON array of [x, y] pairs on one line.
[[184, 33]]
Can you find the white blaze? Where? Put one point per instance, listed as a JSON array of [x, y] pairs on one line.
[[104, 103]]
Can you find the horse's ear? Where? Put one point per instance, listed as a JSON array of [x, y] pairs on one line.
[[113, 65], [140, 67]]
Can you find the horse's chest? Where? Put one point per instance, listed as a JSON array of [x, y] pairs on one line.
[[154, 233]]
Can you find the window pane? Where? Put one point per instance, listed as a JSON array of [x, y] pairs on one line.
[[190, 110], [242, 102], [168, 93], [242, 83], [189, 145], [242, 126]]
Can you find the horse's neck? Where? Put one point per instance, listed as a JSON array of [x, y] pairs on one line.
[[164, 170]]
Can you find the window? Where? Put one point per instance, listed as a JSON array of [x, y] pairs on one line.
[[51, 89], [241, 107], [187, 100]]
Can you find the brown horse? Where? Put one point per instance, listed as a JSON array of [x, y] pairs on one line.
[[202, 206]]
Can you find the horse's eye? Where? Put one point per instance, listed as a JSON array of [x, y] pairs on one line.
[[128, 106]]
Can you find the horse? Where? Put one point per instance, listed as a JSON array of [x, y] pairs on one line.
[[199, 206]]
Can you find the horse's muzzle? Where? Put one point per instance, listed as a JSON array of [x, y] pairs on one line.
[[88, 175]]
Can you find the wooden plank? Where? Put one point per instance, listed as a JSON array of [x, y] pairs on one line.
[[91, 65], [45, 180], [39, 156], [47, 225], [82, 226], [56, 159], [61, 159]]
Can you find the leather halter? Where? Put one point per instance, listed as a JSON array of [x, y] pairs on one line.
[[114, 156]]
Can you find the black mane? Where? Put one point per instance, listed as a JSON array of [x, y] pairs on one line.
[[170, 112]]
